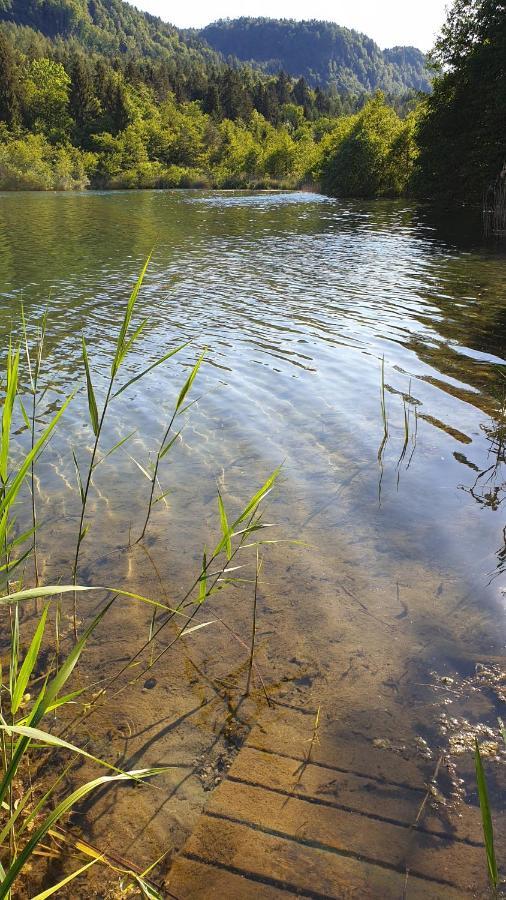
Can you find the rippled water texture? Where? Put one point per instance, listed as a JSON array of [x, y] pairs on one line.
[[298, 298]]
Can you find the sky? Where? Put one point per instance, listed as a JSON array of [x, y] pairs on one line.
[[388, 22]]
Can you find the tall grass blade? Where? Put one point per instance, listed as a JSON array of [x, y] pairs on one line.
[[24, 413], [121, 343], [60, 810], [189, 381], [28, 663], [225, 528], [486, 818], [203, 579], [51, 740], [57, 887], [47, 696], [113, 449], [14, 485], [165, 450], [157, 362], [11, 387], [48, 591], [92, 403]]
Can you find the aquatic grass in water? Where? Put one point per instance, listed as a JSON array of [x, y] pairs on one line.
[[166, 444], [486, 817], [40, 690], [410, 433], [125, 341]]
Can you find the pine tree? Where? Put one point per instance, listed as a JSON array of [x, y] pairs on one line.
[[84, 106], [235, 98], [9, 100], [212, 103], [322, 102], [283, 88], [301, 93]]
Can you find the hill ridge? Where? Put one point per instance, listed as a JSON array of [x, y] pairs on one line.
[[326, 54]]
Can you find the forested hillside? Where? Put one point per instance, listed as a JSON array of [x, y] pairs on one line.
[[93, 92], [324, 53], [108, 26]]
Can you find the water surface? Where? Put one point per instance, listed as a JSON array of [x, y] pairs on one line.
[[298, 299]]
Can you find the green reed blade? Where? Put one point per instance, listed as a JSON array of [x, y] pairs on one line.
[[12, 367], [63, 807], [28, 663], [114, 448], [47, 696], [14, 654], [131, 341], [189, 381], [92, 403], [488, 829], [55, 685], [225, 528], [57, 887], [48, 591], [14, 486], [78, 475], [121, 343], [258, 497], [163, 452], [203, 579], [147, 889], [51, 740], [157, 362], [24, 413]]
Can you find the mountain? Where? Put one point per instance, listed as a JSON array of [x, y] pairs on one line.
[[107, 27], [324, 53]]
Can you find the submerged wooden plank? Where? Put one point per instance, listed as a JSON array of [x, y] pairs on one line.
[[376, 841], [329, 825], [289, 732], [194, 880], [355, 793], [306, 871]]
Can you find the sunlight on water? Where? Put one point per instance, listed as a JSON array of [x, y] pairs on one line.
[[298, 299]]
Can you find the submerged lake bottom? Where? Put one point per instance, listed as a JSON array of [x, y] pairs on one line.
[[361, 347]]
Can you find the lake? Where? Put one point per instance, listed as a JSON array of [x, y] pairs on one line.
[[385, 601]]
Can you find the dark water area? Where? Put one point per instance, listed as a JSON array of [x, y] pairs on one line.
[[298, 298]]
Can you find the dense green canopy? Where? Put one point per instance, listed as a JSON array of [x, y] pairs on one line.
[[324, 53], [96, 92], [462, 136]]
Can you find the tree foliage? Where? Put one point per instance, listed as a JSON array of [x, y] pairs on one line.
[[370, 154], [324, 53], [127, 122], [104, 95], [462, 135]]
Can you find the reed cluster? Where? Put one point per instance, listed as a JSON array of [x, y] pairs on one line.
[[42, 705]]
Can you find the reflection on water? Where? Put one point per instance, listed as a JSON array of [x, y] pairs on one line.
[[298, 298]]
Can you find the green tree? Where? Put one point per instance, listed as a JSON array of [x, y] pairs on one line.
[[84, 105], [9, 98], [47, 97], [235, 99], [360, 161], [462, 134]]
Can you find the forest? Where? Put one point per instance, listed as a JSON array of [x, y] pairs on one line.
[[324, 53], [110, 97]]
